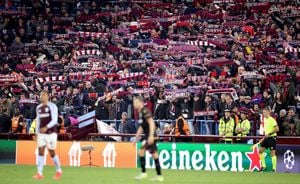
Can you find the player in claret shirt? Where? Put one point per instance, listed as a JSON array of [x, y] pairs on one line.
[[46, 133]]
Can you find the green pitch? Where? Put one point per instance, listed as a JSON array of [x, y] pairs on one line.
[[16, 174]]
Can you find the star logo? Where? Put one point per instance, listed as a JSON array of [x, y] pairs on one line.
[[254, 159]]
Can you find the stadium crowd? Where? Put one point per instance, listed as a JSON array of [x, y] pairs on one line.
[[198, 58]]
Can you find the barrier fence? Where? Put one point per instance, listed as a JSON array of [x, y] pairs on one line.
[[183, 156], [80, 127], [197, 126]]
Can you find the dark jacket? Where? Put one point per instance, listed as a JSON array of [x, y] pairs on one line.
[[290, 95], [129, 127], [5, 123], [161, 111]]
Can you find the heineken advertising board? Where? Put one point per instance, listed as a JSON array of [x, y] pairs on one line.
[[210, 157], [182, 156]]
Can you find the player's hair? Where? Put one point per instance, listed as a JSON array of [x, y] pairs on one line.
[[45, 92], [139, 98], [268, 108]]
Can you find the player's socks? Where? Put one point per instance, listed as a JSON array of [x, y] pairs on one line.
[[57, 163], [40, 164], [157, 166], [263, 161], [143, 163], [274, 162]]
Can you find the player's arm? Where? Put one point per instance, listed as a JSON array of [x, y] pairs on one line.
[[37, 125], [138, 133], [37, 122], [151, 123]]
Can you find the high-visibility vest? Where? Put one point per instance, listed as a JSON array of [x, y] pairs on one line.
[[32, 127], [244, 124], [226, 128], [185, 128]]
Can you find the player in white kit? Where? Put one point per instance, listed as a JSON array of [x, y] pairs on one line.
[[46, 133]]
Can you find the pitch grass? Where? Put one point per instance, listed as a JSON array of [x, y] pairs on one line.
[[21, 174]]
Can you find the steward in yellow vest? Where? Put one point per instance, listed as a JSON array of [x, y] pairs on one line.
[[242, 129], [226, 127]]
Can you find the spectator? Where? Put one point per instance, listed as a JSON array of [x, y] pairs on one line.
[[298, 128], [67, 102], [282, 122], [279, 103], [242, 129], [167, 131], [161, 112], [222, 104], [182, 128], [59, 45], [77, 102], [226, 127], [32, 127], [102, 111], [267, 99], [247, 102], [126, 126], [17, 125], [229, 102], [5, 122], [174, 109], [290, 92], [235, 115], [197, 105], [257, 96], [17, 46], [292, 121], [88, 88]]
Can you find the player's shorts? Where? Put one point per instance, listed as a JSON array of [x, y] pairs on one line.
[[269, 142], [48, 140], [151, 148]]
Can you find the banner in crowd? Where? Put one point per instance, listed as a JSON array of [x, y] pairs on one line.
[[7, 152], [103, 154], [209, 157]]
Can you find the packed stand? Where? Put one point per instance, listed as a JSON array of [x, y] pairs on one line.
[[195, 62]]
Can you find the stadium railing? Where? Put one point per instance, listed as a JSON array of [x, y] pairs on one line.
[[203, 126]]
